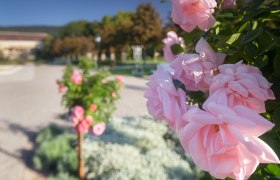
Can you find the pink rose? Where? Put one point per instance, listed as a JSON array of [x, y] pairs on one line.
[[61, 89], [83, 126], [165, 102], [191, 13], [170, 40], [120, 79], [243, 85], [229, 4], [224, 141], [196, 71], [93, 107], [77, 114], [99, 128], [113, 94], [89, 119], [77, 77]]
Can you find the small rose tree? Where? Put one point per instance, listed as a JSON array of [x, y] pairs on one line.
[[220, 91], [90, 98]]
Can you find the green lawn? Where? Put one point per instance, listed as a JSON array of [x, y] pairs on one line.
[[147, 70]]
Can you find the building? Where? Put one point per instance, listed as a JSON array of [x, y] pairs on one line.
[[20, 45]]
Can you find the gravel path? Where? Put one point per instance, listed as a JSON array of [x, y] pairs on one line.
[[30, 101]]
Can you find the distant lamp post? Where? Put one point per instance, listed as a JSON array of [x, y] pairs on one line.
[[137, 56], [98, 42]]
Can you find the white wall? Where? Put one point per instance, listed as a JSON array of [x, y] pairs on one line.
[[17, 49], [4, 44]]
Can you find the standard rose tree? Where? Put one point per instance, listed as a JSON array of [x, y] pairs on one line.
[[219, 99], [90, 99]]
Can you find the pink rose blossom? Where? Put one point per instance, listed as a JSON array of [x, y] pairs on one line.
[[243, 85], [78, 112], [61, 89], [99, 128], [83, 125], [229, 4], [191, 13], [113, 94], [93, 107], [77, 77], [89, 119], [165, 102], [170, 40], [224, 141], [120, 79], [197, 70], [77, 115]]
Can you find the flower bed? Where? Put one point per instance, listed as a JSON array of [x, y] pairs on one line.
[[129, 149]]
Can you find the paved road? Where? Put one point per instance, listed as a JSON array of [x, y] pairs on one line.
[[30, 101]]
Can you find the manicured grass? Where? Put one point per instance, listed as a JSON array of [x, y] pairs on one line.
[[147, 70]]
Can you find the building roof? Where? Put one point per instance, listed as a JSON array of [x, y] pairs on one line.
[[29, 36]]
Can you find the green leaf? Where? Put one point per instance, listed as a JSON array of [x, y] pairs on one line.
[[233, 38], [197, 97], [276, 118], [276, 63], [256, 176], [226, 15], [252, 35], [266, 42], [178, 84], [251, 50], [245, 26], [262, 61], [273, 169], [177, 49], [272, 105], [192, 37], [272, 139]]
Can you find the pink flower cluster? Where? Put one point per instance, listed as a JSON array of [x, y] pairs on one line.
[[224, 141], [223, 137], [77, 77], [82, 124], [120, 79]]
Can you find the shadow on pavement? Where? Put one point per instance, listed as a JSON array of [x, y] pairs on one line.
[[25, 154], [138, 88]]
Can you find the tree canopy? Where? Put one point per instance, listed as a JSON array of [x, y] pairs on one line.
[[118, 33]]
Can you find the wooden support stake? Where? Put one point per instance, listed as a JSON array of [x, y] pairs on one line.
[[80, 156]]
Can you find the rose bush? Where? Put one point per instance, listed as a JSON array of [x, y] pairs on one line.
[[231, 88], [89, 97]]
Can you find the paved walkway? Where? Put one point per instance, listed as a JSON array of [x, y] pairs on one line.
[[30, 101]]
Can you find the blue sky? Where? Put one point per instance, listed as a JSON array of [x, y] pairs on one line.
[[60, 12]]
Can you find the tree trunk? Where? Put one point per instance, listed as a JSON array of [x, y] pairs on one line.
[[80, 156]]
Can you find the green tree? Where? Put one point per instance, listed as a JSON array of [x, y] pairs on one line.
[[74, 29], [147, 25]]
